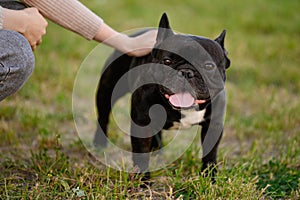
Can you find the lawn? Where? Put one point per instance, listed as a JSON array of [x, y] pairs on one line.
[[42, 156]]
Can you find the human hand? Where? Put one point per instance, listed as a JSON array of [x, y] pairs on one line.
[[35, 27], [141, 45], [134, 46], [29, 22]]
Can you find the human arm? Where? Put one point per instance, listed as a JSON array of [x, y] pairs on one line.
[[133, 46], [74, 16]]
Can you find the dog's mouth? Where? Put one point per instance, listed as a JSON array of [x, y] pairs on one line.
[[184, 100]]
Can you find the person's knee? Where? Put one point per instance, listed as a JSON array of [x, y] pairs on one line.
[[21, 55], [17, 58]]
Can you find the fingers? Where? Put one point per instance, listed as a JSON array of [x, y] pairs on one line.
[[39, 42], [33, 47], [35, 44]]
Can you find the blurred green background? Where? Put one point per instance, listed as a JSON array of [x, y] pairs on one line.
[[263, 84]]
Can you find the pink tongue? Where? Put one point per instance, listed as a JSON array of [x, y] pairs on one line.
[[182, 100]]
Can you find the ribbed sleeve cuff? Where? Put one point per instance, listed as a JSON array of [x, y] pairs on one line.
[[1, 18], [70, 14]]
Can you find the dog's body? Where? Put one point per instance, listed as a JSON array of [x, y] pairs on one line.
[[180, 75]]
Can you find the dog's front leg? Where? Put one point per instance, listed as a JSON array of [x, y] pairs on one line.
[[141, 148], [210, 145], [212, 131]]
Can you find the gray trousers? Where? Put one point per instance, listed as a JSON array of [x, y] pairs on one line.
[[16, 62]]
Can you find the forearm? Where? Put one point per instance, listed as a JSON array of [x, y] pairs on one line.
[[74, 16], [70, 14], [112, 38]]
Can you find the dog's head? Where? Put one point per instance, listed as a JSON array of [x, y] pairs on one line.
[[197, 66]]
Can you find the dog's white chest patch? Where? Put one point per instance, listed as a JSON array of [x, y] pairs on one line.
[[189, 118]]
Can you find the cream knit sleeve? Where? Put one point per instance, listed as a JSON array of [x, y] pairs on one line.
[[70, 14]]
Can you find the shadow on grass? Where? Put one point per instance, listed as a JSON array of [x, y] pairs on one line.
[[278, 179]]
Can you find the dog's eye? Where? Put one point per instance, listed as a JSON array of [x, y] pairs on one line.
[[209, 66], [167, 61]]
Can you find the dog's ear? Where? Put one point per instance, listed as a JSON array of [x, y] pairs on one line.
[[220, 40], [164, 29]]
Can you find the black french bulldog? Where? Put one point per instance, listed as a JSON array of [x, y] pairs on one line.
[[185, 74]]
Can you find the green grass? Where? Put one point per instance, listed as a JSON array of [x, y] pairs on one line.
[[259, 157]]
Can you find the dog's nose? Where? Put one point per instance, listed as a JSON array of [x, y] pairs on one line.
[[186, 73]]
